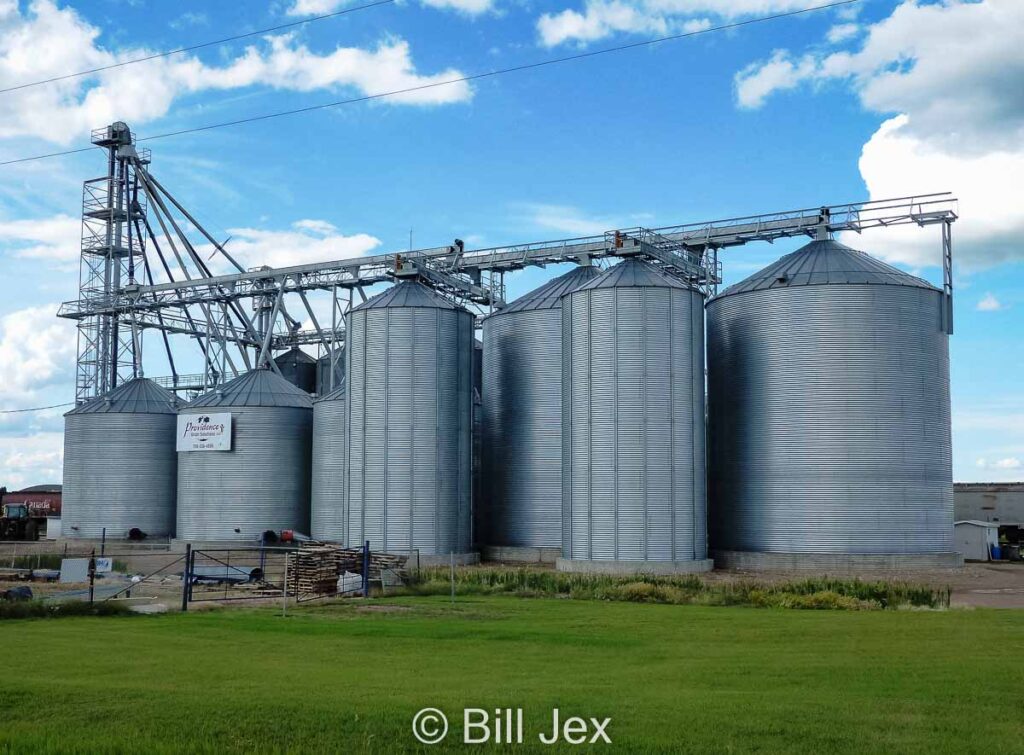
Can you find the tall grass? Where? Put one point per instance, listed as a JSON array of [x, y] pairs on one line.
[[813, 593]]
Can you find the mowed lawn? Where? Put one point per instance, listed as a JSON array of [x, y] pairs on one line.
[[673, 678]]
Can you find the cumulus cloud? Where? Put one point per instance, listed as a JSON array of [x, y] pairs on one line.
[[37, 352], [842, 32], [602, 18], [989, 303], [320, 7], [951, 72], [55, 239], [33, 459], [49, 41], [306, 241]]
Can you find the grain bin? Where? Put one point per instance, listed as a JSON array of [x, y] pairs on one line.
[[262, 482], [409, 357], [332, 361], [829, 415], [633, 495], [298, 368], [119, 463], [327, 503], [521, 504]]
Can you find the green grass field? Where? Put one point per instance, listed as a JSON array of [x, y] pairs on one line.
[[673, 678]]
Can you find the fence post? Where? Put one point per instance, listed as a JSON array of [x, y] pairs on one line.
[[284, 592], [186, 577], [92, 575], [103, 543], [452, 557], [366, 569]]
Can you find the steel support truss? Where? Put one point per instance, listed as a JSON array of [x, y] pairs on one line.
[[190, 300]]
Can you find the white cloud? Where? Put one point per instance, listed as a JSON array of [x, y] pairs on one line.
[[54, 239], [567, 220], [37, 352], [602, 18], [320, 7], [307, 241], [50, 41], [952, 73], [842, 32], [989, 303], [32, 459], [1011, 462]]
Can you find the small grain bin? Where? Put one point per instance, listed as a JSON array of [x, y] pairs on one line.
[[633, 424], [119, 463], [327, 506], [298, 368], [262, 481], [409, 357], [521, 501], [829, 416]]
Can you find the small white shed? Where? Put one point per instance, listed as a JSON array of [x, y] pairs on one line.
[[975, 539]]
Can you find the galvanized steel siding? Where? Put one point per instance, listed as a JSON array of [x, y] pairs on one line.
[[409, 439], [633, 425], [262, 483], [830, 421], [119, 472], [522, 423], [327, 511]]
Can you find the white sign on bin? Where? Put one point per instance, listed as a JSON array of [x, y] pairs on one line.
[[204, 432]]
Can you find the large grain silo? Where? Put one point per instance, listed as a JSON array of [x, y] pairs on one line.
[[829, 418], [263, 481], [633, 497], [409, 357], [521, 498], [119, 463], [327, 503]]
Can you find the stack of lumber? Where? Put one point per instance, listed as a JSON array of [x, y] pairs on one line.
[[314, 570]]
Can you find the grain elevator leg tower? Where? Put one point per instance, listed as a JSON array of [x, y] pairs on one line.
[[111, 258]]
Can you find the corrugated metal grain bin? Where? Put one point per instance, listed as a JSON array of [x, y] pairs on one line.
[[521, 502], [298, 368], [829, 409], [327, 511], [633, 423], [263, 481], [324, 384], [120, 466], [409, 355]]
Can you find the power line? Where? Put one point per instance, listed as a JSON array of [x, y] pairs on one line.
[[462, 79], [199, 46], [34, 409]]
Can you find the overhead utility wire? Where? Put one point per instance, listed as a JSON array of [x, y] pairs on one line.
[[34, 409], [460, 79], [199, 46]]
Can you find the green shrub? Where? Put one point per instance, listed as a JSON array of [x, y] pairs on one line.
[[37, 609], [812, 594]]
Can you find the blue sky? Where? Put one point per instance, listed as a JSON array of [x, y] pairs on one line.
[[875, 99]]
